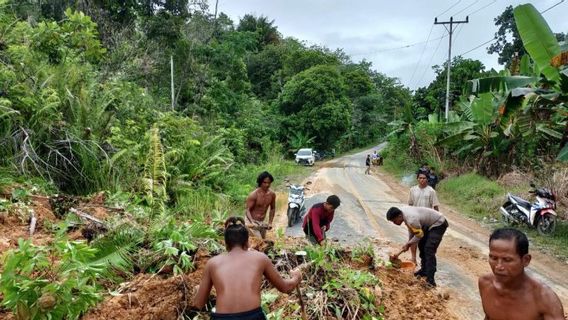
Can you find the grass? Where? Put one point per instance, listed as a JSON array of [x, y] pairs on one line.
[[472, 194], [398, 163], [230, 201]]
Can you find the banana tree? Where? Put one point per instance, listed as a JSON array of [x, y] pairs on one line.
[[535, 104], [477, 136]]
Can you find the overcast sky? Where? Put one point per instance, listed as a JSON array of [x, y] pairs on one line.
[[376, 30]]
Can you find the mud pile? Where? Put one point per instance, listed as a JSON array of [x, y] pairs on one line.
[[164, 296]]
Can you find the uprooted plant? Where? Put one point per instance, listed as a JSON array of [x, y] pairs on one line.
[[332, 286]]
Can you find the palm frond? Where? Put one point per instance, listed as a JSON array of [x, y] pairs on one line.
[[115, 250]]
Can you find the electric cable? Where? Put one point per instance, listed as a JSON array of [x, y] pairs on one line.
[[450, 8], [421, 54], [495, 38]]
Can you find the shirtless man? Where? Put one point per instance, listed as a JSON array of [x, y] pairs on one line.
[[237, 277], [258, 202], [510, 293]]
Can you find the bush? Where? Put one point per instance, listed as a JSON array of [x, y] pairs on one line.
[[473, 194], [53, 282]]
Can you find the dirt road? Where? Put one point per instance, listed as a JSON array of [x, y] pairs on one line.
[[462, 256]]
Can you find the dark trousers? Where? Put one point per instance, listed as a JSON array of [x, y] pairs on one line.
[[428, 246]]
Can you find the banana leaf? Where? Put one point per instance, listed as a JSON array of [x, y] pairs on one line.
[[548, 131], [482, 109], [563, 154], [433, 118], [499, 83], [526, 68], [538, 39], [564, 81]]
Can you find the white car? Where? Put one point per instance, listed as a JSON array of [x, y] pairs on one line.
[[305, 156]]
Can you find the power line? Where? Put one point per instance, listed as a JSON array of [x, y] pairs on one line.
[[455, 4], [430, 62], [397, 48], [426, 43], [458, 30], [485, 6], [495, 38], [477, 47], [421, 54], [552, 6], [467, 7]]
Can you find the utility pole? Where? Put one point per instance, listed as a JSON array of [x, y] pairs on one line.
[[172, 81], [450, 31]]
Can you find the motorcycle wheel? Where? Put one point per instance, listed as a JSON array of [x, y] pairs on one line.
[[291, 217], [506, 220], [546, 224]]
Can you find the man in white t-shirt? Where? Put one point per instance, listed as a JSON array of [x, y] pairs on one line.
[[422, 195]]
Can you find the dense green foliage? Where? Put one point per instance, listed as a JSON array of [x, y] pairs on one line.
[[512, 119], [86, 103]]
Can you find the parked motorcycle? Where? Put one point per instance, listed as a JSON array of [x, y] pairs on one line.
[[540, 214], [295, 203]]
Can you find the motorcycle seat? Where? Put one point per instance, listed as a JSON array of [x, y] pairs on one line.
[[522, 202]]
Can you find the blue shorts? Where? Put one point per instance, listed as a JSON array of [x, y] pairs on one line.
[[255, 314]]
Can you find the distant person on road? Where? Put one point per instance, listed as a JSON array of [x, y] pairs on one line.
[[368, 164], [376, 158], [318, 219], [257, 204], [425, 227], [508, 292], [237, 277]]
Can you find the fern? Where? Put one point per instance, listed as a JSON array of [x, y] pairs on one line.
[[155, 173]]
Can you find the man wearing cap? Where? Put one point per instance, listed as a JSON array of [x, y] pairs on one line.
[[426, 227]]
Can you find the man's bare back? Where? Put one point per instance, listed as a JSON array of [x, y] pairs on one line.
[[237, 278], [531, 301]]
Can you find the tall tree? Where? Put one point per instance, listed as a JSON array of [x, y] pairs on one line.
[[505, 48], [265, 30], [315, 103], [508, 41]]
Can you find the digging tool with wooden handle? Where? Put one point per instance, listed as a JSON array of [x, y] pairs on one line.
[[302, 267], [302, 308], [393, 257]]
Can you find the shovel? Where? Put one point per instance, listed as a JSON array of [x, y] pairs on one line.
[[301, 255]]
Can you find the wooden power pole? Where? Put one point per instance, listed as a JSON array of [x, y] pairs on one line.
[[450, 31]]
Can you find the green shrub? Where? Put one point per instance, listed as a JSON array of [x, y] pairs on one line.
[[473, 195], [52, 282]]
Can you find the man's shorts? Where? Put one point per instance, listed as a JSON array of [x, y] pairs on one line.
[[255, 314]]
